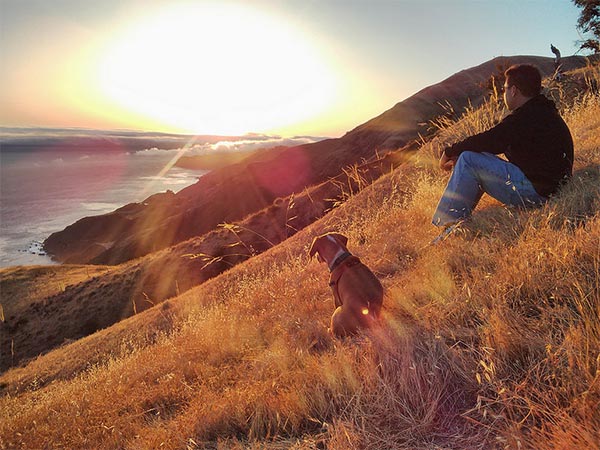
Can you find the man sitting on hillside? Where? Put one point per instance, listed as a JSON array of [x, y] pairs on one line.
[[534, 139]]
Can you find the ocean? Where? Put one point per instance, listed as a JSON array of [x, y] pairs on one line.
[[44, 191]]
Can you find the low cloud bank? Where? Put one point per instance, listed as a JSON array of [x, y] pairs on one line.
[[236, 146], [139, 143]]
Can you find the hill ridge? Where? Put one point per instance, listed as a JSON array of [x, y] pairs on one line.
[[231, 193]]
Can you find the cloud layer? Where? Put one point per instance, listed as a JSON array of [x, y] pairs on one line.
[[141, 143]]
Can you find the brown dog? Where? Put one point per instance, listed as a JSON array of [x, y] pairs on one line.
[[357, 292]]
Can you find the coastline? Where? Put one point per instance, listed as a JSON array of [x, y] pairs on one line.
[[43, 194]]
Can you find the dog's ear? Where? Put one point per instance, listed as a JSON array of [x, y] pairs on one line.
[[343, 240], [314, 247]]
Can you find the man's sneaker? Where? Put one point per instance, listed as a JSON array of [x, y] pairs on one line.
[[447, 232]]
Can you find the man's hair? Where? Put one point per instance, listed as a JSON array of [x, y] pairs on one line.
[[526, 78]]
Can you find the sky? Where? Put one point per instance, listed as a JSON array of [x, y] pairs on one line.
[[285, 67]]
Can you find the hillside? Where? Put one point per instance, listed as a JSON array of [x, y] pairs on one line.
[[137, 285], [491, 340], [231, 193], [47, 321]]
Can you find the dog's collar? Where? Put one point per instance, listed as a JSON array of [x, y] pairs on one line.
[[340, 259]]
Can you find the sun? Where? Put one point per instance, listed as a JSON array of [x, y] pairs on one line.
[[217, 68]]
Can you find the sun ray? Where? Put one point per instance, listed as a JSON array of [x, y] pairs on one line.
[[168, 166]]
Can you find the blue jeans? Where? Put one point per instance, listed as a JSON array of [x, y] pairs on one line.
[[475, 173]]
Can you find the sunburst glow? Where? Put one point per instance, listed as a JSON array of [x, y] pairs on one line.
[[216, 68]]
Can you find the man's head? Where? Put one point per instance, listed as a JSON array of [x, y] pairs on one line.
[[523, 81]]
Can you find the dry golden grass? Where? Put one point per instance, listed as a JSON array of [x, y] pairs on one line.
[[491, 340], [20, 286]]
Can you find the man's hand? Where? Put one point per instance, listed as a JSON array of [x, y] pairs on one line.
[[446, 162]]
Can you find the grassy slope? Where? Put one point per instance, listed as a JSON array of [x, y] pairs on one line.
[[41, 316], [24, 292], [492, 338], [129, 288], [21, 285]]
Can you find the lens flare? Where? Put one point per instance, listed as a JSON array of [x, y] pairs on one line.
[[149, 187]]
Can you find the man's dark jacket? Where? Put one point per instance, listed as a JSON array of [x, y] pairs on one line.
[[534, 138]]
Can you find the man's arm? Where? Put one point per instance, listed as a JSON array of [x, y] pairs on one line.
[[495, 140]]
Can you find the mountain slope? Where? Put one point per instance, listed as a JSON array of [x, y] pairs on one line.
[[490, 340], [137, 285], [231, 193]]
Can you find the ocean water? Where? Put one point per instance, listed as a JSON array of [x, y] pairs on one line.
[[42, 192]]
